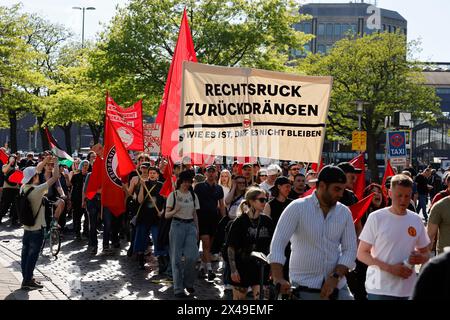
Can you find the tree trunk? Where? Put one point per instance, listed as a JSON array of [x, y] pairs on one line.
[[13, 130], [372, 156], [44, 140], [95, 130], [68, 137]]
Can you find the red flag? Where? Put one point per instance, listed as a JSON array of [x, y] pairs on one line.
[[169, 110], [309, 192], [360, 184], [389, 172], [3, 156], [127, 122], [316, 168], [117, 164], [95, 179], [167, 187], [358, 209], [16, 177]]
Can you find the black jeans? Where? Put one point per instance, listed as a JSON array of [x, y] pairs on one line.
[[93, 208], [9, 202]]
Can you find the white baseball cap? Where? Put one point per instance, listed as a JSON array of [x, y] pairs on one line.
[[28, 174], [273, 169]]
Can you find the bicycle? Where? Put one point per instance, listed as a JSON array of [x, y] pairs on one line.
[[53, 234]]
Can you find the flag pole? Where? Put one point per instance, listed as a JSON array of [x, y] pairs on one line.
[[148, 193]]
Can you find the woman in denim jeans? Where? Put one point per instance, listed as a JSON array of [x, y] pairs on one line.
[[183, 236]]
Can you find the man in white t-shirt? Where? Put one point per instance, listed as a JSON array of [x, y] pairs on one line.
[[393, 241]]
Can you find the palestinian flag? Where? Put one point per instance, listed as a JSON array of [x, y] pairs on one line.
[[63, 157]]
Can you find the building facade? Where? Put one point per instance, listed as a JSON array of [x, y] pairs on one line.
[[333, 21], [431, 142]]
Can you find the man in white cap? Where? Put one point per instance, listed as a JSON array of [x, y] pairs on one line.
[[34, 235], [273, 171]]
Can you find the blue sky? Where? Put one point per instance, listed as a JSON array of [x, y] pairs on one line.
[[427, 20]]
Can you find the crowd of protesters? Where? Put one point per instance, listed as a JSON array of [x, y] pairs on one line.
[[299, 218]]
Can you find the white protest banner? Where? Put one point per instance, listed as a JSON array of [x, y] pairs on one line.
[[152, 138], [248, 112]]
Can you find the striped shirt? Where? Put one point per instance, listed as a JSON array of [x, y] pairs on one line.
[[318, 244]]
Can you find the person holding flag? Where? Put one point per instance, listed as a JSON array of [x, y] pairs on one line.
[[151, 204]]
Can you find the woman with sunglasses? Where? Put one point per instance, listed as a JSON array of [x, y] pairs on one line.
[[251, 231]]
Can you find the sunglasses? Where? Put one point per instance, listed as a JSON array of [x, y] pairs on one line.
[[262, 200]]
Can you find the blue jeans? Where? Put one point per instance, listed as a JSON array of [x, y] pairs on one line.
[[141, 238], [423, 200], [93, 208], [183, 242], [31, 246], [371, 296]]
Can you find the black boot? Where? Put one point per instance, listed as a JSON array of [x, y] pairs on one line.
[[162, 264], [141, 261]]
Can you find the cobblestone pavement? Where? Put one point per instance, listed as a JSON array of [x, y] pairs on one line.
[[77, 275]]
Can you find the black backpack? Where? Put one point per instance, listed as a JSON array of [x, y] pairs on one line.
[[25, 212], [226, 240]]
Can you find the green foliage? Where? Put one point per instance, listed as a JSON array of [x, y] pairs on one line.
[[373, 69], [76, 98], [133, 57]]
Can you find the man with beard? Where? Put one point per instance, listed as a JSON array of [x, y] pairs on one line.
[[323, 242]]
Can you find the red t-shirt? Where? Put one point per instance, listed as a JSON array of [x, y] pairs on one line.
[[440, 196]]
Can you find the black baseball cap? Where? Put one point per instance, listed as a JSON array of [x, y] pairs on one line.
[[331, 174], [347, 167]]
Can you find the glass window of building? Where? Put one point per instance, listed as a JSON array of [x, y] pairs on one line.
[[329, 30], [321, 29], [405, 31], [345, 29], [321, 48], [354, 28], [337, 30], [307, 48], [394, 29], [442, 90], [389, 28], [307, 27], [384, 27]]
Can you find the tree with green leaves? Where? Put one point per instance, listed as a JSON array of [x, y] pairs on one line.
[[17, 72], [47, 39], [374, 69], [76, 97], [133, 56]]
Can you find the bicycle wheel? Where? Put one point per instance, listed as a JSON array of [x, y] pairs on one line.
[[43, 243], [55, 242]]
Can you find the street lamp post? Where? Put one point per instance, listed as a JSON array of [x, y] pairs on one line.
[[359, 109], [82, 26], [82, 47]]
